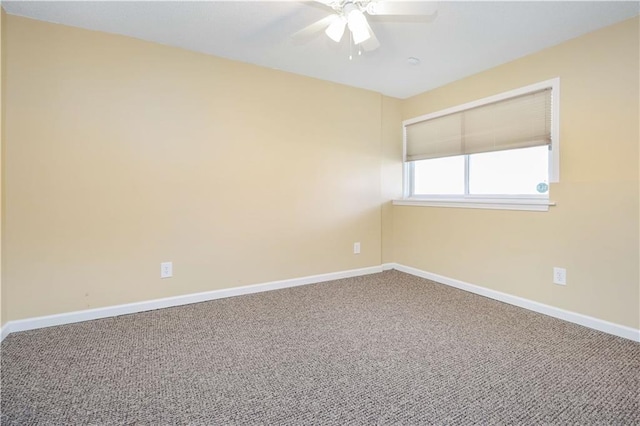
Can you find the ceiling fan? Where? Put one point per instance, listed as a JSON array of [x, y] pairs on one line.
[[352, 14]]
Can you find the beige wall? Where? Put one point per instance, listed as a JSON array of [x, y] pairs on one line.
[[593, 231], [122, 154], [390, 170]]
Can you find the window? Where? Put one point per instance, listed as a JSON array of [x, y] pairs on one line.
[[498, 152]]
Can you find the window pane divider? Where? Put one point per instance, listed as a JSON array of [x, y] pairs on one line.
[[466, 175]]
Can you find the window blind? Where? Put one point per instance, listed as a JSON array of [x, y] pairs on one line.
[[519, 122]]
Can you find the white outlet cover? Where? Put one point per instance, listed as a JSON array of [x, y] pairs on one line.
[[560, 276], [356, 248], [166, 269]]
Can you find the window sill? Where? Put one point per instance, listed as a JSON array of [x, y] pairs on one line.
[[526, 204]]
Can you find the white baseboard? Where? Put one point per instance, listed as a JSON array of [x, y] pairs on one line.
[[389, 266], [130, 308], [584, 320], [5, 331]]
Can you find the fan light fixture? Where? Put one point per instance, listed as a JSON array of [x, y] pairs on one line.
[[357, 23], [354, 19], [335, 30], [353, 14]]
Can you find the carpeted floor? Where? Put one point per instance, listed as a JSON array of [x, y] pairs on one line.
[[387, 348]]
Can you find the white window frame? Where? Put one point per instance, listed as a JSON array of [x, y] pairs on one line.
[[506, 202]]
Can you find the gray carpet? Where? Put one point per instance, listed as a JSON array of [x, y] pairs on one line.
[[387, 348]]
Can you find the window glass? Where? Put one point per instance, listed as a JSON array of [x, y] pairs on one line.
[[512, 172], [439, 176]]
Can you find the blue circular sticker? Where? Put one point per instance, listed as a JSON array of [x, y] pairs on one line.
[[542, 187]]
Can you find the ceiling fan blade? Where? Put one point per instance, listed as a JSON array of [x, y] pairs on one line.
[[331, 3], [372, 42], [391, 7], [313, 29]]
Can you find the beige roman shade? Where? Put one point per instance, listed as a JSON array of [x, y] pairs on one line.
[[519, 122]]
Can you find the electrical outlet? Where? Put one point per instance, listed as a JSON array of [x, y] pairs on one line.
[[356, 248], [560, 276], [166, 269]]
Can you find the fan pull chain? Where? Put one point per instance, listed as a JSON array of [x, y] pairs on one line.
[[351, 46]]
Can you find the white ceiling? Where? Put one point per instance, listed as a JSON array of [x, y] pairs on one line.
[[464, 38]]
